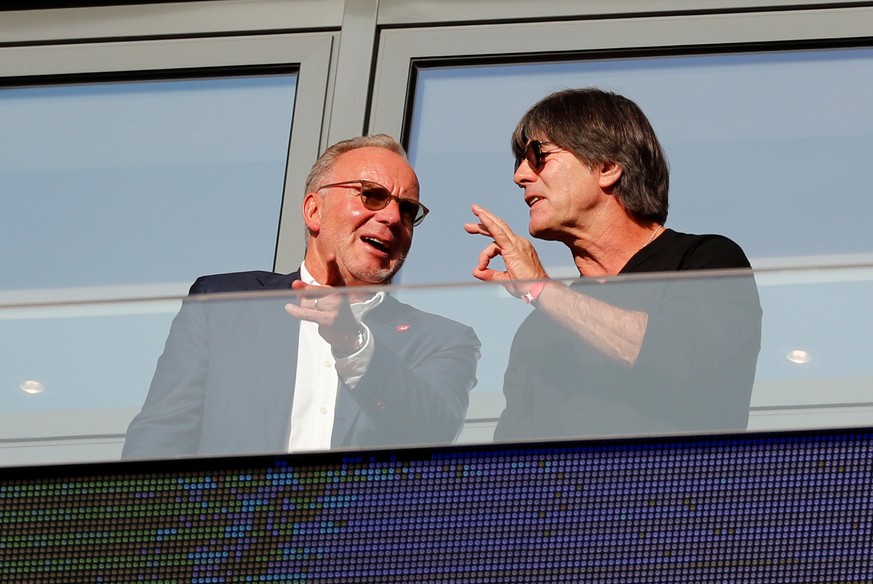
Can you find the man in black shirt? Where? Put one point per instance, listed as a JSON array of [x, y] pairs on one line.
[[616, 356]]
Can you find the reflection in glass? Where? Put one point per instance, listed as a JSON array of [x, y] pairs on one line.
[[799, 356], [108, 183], [244, 375], [97, 359], [694, 372], [32, 386], [751, 139]]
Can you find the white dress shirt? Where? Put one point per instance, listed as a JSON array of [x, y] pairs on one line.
[[318, 374]]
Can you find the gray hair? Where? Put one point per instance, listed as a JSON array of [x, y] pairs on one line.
[[325, 162]]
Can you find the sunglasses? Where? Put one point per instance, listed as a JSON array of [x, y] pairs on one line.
[[375, 197], [534, 155]]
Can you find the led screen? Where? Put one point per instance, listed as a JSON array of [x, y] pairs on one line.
[[750, 508]]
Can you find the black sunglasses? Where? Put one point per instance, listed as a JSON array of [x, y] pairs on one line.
[[376, 197], [534, 155]]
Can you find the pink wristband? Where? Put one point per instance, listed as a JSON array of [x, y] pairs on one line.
[[535, 290]]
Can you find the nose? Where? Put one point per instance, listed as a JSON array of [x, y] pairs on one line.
[[390, 214], [523, 174]]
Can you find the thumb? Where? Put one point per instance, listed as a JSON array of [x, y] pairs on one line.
[[333, 277]]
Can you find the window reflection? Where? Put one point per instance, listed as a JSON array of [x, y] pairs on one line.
[[751, 140], [108, 183]]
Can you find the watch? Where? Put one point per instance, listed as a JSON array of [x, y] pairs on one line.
[[360, 339]]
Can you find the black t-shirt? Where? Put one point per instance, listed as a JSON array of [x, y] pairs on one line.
[[694, 371]]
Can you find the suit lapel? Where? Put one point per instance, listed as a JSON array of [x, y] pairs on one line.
[[382, 322], [277, 339], [347, 412]]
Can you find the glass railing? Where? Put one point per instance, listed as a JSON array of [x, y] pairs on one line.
[[97, 378]]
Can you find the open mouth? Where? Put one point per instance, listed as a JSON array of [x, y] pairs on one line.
[[377, 244], [530, 202]]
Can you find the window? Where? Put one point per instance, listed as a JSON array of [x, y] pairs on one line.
[[141, 182], [753, 132], [753, 114], [124, 168]]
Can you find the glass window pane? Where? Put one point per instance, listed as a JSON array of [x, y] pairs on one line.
[[140, 182], [767, 148]]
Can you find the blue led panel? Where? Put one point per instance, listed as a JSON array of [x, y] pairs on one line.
[[786, 507]]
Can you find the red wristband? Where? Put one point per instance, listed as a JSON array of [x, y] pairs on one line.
[[535, 290]]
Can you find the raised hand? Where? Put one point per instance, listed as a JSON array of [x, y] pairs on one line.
[[519, 256], [329, 308]]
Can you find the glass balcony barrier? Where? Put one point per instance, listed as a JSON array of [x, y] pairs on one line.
[[95, 375]]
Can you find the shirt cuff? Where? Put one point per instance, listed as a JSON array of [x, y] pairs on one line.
[[352, 368]]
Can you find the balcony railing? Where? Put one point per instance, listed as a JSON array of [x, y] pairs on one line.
[[77, 365]]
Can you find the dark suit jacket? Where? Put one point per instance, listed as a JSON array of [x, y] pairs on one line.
[[225, 381]]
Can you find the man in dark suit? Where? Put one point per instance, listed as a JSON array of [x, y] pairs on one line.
[[326, 359]]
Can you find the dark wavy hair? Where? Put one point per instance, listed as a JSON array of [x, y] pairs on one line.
[[602, 127]]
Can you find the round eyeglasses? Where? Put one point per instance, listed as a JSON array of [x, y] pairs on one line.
[[375, 197]]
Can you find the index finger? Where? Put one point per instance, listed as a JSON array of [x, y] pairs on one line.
[[497, 227], [475, 229]]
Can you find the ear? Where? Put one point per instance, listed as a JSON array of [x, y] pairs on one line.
[[610, 172], [312, 212]]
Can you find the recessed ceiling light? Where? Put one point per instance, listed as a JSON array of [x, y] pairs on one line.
[[799, 356], [31, 386]]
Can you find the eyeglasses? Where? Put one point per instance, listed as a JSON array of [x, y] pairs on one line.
[[375, 197], [534, 155]]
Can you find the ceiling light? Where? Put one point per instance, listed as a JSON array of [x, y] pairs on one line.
[[31, 386], [798, 356]]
